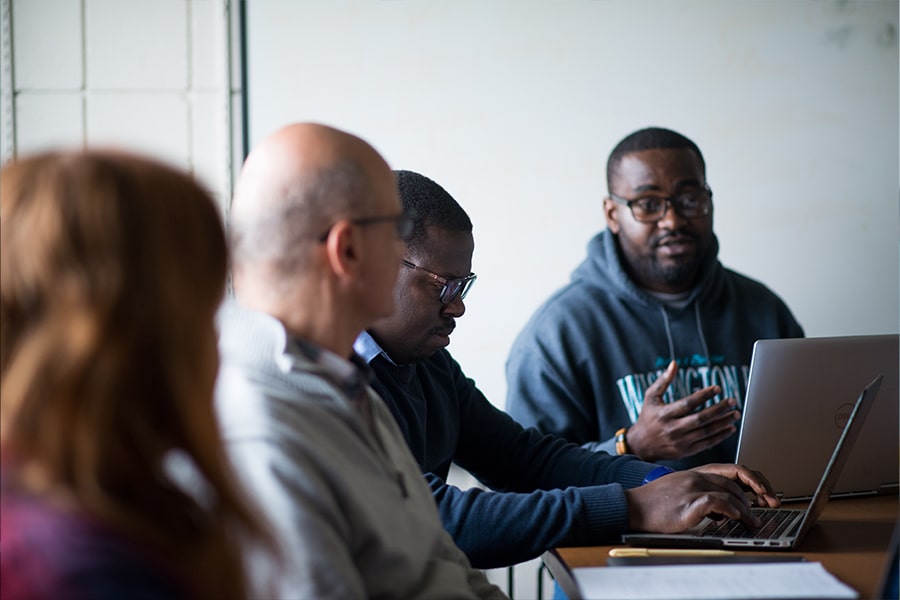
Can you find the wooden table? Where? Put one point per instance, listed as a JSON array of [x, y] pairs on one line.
[[851, 540]]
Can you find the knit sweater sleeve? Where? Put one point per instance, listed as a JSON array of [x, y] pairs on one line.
[[497, 529], [548, 492]]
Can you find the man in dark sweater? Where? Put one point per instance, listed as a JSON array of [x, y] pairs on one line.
[[546, 492]]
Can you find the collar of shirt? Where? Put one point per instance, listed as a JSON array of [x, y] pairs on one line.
[[679, 300], [351, 375], [367, 348]]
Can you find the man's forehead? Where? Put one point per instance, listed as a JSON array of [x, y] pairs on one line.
[[641, 166], [445, 249], [659, 156]]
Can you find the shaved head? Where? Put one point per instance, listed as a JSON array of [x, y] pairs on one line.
[[302, 247], [292, 187]]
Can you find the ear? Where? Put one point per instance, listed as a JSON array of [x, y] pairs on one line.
[[342, 248], [611, 210]]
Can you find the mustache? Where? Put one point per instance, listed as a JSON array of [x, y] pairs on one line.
[[676, 234], [445, 329]]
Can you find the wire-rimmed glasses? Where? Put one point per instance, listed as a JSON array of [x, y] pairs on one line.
[[451, 287]]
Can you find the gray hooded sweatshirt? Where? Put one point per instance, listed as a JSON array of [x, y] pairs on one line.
[[582, 363]]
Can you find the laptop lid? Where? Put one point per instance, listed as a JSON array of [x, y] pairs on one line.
[[840, 456], [808, 517], [797, 404]]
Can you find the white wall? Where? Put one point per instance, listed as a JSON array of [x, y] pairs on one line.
[[513, 106], [155, 76]]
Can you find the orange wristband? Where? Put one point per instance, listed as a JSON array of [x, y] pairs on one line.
[[621, 446]]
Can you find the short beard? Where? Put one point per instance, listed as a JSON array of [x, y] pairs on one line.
[[681, 276]]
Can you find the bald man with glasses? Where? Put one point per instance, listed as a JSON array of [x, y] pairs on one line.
[[544, 492], [316, 234]]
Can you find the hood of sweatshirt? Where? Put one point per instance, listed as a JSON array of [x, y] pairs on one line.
[[604, 269]]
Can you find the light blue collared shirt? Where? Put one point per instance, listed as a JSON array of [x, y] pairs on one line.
[[367, 348]]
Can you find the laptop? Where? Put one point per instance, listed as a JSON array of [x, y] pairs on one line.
[[796, 405], [782, 528]]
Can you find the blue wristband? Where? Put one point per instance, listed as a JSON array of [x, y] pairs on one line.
[[657, 473]]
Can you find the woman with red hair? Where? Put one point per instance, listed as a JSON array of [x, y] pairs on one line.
[[114, 480]]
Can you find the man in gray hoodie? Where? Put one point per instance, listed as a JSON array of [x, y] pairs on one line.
[[650, 301]]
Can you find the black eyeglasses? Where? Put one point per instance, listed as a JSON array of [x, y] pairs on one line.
[[451, 287], [650, 209], [405, 222]]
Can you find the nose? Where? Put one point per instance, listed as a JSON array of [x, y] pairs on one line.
[[671, 219], [455, 309]]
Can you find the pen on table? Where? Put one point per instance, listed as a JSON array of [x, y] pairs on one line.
[[621, 552]]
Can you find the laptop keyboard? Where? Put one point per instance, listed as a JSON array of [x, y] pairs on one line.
[[774, 522]]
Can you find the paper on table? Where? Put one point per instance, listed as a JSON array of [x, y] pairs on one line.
[[753, 580]]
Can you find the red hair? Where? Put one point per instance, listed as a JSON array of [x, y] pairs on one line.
[[112, 267]]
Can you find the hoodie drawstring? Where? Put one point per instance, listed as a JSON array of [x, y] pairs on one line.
[[665, 315], [699, 323], [700, 333]]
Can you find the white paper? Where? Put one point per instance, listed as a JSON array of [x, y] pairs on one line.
[[749, 580]]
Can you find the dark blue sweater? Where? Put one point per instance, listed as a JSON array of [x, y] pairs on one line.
[[548, 492]]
